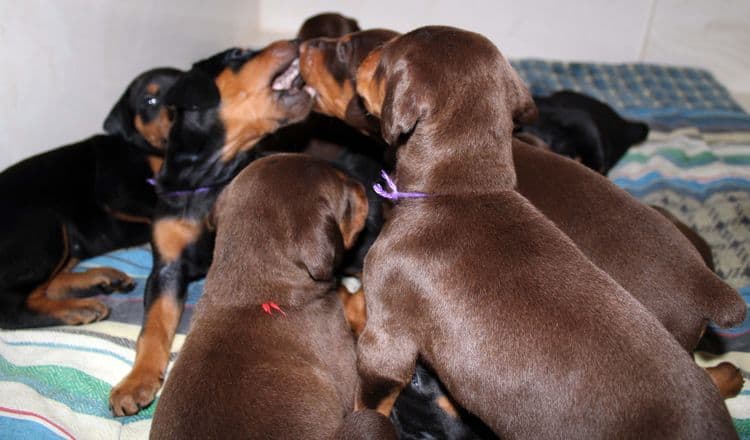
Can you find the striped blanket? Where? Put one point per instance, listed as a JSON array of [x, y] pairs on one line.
[[55, 382]]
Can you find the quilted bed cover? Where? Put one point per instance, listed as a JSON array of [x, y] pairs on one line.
[[55, 382]]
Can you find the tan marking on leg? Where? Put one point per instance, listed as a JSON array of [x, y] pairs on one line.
[[66, 282], [139, 387], [73, 311], [172, 236]]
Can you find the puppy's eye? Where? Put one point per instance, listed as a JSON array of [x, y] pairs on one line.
[[238, 54], [150, 100], [343, 49]]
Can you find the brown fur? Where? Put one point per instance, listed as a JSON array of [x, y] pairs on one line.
[[522, 328], [294, 376], [327, 25], [617, 232], [366, 425]]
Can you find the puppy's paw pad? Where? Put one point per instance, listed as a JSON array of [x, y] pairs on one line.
[[133, 394]]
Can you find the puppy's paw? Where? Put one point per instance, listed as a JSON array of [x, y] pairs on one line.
[[82, 311], [727, 378], [109, 280], [133, 393]]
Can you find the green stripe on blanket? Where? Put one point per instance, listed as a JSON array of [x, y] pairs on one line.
[[74, 388]]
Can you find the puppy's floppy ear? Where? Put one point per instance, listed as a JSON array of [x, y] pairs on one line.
[[342, 222], [195, 90], [401, 109], [523, 109], [354, 214], [120, 118], [321, 251]]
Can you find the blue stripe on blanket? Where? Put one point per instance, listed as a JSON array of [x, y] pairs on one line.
[[17, 429], [654, 181], [68, 347]]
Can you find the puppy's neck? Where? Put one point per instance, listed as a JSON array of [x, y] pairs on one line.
[[457, 161]]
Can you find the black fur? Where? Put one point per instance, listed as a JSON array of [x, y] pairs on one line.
[[72, 191]]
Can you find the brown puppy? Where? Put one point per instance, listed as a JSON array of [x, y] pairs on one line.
[[641, 250], [472, 275], [270, 287], [329, 24]]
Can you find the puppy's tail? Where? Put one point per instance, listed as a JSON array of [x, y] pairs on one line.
[[366, 425]]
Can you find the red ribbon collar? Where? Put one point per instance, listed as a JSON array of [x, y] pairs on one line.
[[269, 307]]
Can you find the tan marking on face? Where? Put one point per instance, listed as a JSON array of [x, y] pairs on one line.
[[370, 88], [156, 131], [355, 310], [332, 97], [172, 236], [155, 163], [386, 405], [152, 88], [249, 109], [446, 405]]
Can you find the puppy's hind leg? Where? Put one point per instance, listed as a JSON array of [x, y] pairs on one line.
[[386, 364]]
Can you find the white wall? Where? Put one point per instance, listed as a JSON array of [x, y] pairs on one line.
[[66, 62], [713, 34]]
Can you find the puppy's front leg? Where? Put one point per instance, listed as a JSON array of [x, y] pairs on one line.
[[386, 364], [164, 301]]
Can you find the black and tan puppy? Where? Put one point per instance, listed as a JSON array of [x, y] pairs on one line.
[[583, 128], [521, 327], [76, 202], [282, 227], [223, 107]]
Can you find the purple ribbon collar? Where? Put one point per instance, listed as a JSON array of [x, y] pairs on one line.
[[184, 192], [393, 193]]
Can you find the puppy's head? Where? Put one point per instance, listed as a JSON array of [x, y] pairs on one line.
[[328, 24], [140, 115], [329, 65], [227, 103], [308, 211], [441, 76]]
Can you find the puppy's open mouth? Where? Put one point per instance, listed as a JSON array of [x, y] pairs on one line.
[[289, 81]]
